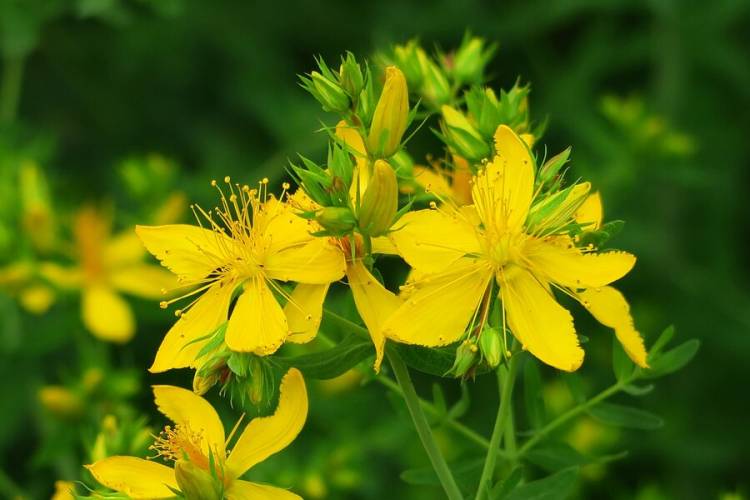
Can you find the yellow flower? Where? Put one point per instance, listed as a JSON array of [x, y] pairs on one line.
[[106, 266], [507, 238], [64, 490], [251, 242], [198, 447]]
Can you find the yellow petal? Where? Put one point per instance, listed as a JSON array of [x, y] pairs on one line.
[[528, 139], [374, 303], [123, 248], [432, 240], [433, 182], [188, 251], [107, 315], [382, 245], [439, 306], [361, 175], [268, 435], [279, 226], [562, 214], [304, 312], [64, 490], [243, 490], [591, 212], [63, 277], [543, 326], [257, 323], [610, 308], [142, 280], [136, 477], [503, 191], [179, 349], [316, 262], [185, 408], [567, 266]]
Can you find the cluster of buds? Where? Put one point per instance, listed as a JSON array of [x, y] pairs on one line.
[[357, 190], [337, 91], [485, 350]]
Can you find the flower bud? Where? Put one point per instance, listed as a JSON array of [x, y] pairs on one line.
[[336, 220], [466, 357], [391, 115], [490, 345], [38, 215], [196, 483], [329, 93], [350, 76], [435, 89], [203, 383], [380, 201], [461, 135], [60, 401], [552, 166], [470, 60], [407, 59]]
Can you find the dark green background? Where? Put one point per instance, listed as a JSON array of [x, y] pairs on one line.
[[213, 85]]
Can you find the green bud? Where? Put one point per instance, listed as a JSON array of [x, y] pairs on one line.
[[257, 389], [203, 383], [380, 201], [461, 135], [491, 346], [435, 89], [466, 357], [407, 59], [391, 116], [470, 60], [329, 93], [196, 483], [552, 166], [350, 76], [336, 220]]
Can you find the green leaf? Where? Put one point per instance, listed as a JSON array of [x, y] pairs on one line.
[[505, 486], [556, 456], [532, 392], [433, 361], [465, 473], [672, 360], [661, 342], [621, 364], [625, 416], [331, 362], [638, 390], [558, 486]]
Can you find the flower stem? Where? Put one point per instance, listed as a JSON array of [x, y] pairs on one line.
[[505, 382], [423, 427], [10, 88], [573, 412]]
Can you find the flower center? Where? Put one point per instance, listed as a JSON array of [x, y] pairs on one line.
[[504, 249], [178, 443]]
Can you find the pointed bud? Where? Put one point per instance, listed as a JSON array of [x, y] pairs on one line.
[[466, 358], [350, 76], [552, 166], [391, 115], [329, 93], [435, 89], [196, 483], [407, 59], [490, 344], [203, 383], [336, 220], [380, 201], [461, 135], [470, 60]]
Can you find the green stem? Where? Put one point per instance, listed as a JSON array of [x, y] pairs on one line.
[[423, 427], [10, 88], [505, 382], [573, 412], [510, 437]]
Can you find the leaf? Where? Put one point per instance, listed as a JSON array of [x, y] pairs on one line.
[[625, 416], [465, 473], [672, 360], [622, 366], [505, 486], [661, 342], [638, 390], [331, 362], [556, 456], [532, 392], [558, 486], [433, 361]]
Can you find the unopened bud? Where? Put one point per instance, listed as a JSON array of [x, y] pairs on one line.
[[552, 166], [329, 93], [350, 76], [407, 59], [435, 89], [470, 60], [203, 383], [391, 115], [60, 401], [466, 357], [336, 220], [461, 135], [491, 346], [380, 201], [196, 483]]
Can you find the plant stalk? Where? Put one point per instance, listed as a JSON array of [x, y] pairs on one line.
[[10, 88]]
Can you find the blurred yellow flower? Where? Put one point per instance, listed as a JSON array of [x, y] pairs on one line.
[[64, 490], [198, 447], [106, 265], [252, 242], [508, 239]]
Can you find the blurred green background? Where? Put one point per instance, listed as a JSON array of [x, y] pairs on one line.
[[652, 95]]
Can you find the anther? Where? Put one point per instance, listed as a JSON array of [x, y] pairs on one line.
[[163, 304], [227, 179]]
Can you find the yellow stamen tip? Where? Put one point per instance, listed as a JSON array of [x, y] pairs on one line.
[[213, 182], [163, 304], [227, 179]]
